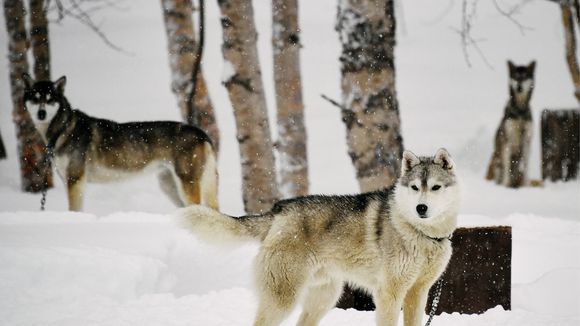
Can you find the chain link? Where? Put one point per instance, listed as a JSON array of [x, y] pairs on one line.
[[435, 303], [43, 199]]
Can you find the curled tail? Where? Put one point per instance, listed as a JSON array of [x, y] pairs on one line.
[[215, 227]]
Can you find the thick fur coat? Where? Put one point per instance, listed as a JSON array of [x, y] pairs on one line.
[[394, 243], [88, 149]]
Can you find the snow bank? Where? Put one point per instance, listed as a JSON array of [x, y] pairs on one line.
[[141, 269]]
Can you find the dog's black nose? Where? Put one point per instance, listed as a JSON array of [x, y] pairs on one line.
[[422, 209], [41, 114]]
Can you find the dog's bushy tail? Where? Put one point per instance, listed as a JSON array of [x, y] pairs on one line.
[[215, 227]]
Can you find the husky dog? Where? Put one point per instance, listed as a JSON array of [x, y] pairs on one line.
[[509, 161], [394, 243], [98, 150]]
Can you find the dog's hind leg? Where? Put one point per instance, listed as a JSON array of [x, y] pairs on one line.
[[280, 276], [188, 170], [191, 190], [209, 179], [320, 298], [169, 187]]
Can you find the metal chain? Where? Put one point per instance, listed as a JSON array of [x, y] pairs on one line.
[[43, 199], [435, 303], [47, 162]]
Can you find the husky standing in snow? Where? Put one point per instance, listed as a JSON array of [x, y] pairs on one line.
[[98, 150], [394, 243], [509, 161]]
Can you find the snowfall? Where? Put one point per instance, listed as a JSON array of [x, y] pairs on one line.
[[125, 262]]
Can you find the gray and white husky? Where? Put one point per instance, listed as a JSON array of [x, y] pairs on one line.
[[394, 243], [88, 149]]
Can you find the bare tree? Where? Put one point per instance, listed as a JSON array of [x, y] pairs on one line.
[[39, 39], [82, 11], [370, 108], [242, 78], [291, 143], [35, 174], [181, 41]]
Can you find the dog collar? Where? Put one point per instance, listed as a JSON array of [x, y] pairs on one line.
[[440, 239]]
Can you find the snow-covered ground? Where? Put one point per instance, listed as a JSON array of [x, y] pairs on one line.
[[124, 262]]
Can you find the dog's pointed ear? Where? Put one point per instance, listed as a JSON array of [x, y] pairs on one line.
[[511, 66], [409, 161], [443, 158], [59, 84], [532, 66], [28, 81]]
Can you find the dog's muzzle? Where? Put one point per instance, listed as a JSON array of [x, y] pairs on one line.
[[41, 114]]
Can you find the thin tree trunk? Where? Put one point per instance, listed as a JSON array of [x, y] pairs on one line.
[[242, 78], [39, 40], [181, 42], [2, 149], [367, 34], [570, 42], [35, 174], [291, 143]]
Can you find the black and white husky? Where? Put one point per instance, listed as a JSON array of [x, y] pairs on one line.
[[88, 149], [394, 243]]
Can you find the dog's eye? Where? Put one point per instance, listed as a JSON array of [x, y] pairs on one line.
[[37, 95], [436, 187], [414, 188]]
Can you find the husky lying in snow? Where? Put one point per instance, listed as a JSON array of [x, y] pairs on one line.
[[395, 243], [98, 150]]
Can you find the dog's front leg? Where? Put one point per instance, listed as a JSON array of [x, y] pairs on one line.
[[388, 303], [414, 305], [76, 181]]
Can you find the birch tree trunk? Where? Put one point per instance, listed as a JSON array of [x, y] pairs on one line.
[[39, 40], [242, 78], [570, 43], [367, 34], [291, 143], [35, 175], [181, 43]]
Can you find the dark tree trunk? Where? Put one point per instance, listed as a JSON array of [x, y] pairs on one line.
[[2, 149], [39, 40], [181, 43], [291, 143], [367, 33], [560, 144], [243, 80], [35, 175]]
